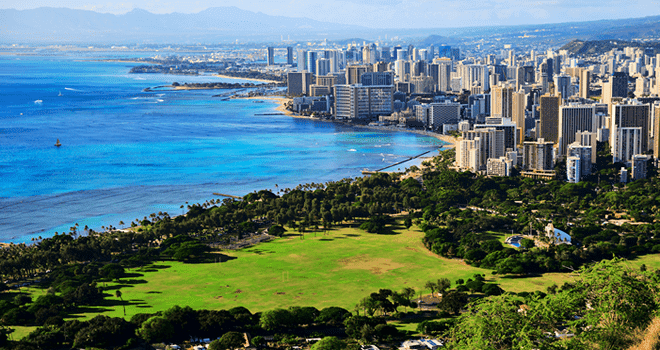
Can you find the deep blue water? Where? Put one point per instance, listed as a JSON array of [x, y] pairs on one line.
[[128, 153]]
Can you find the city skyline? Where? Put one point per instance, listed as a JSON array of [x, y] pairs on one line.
[[390, 14]]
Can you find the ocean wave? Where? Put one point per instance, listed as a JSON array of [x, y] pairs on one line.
[[352, 150], [71, 89]]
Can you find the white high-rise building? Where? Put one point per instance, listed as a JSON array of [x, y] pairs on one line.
[[626, 143], [576, 149], [573, 169], [468, 154], [537, 156], [501, 101], [357, 101], [499, 166], [474, 75], [491, 144]]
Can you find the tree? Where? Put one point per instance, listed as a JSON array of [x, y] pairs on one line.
[[453, 301], [527, 243], [613, 302], [442, 285], [434, 328], [329, 343], [276, 230], [430, 285], [187, 250], [229, 340], [156, 329], [275, 319], [368, 305], [333, 315], [479, 328], [407, 223], [118, 295]]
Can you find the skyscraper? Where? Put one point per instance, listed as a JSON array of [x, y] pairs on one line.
[[270, 55], [537, 156], [322, 66], [289, 55], [550, 64], [369, 54], [501, 101], [549, 115], [623, 142], [442, 73], [576, 149], [312, 56], [474, 75], [619, 81], [562, 85], [491, 144], [656, 130], [518, 101], [354, 73], [298, 83], [357, 101], [302, 60], [504, 125], [444, 51], [377, 78], [585, 83], [574, 118]]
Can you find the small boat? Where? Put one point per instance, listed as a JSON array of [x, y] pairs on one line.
[[58, 144], [60, 94], [37, 102]]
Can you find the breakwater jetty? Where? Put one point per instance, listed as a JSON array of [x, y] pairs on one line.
[[368, 172]]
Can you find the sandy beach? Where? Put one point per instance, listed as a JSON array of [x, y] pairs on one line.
[[282, 101], [249, 79]]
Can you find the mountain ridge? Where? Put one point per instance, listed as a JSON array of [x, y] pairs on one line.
[[230, 23]]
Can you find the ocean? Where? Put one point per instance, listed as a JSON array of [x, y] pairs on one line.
[[127, 153]]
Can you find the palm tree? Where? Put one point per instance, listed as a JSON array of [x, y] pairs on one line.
[[118, 295]]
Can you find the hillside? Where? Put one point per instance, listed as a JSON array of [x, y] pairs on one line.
[[598, 47]]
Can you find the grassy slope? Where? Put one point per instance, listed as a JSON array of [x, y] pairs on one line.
[[337, 269]]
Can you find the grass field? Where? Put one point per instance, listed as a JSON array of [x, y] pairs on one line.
[[337, 269]]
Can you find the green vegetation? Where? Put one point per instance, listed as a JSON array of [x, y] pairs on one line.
[[334, 269], [603, 308], [371, 245]]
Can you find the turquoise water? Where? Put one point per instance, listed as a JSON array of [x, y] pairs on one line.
[[128, 153]]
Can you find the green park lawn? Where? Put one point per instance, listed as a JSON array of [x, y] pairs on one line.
[[337, 269]]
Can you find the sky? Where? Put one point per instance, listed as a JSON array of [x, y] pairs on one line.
[[385, 13]]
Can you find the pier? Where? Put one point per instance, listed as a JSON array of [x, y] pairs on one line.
[[369, 172]]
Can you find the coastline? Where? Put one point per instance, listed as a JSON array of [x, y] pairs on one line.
[[248, 79], [281, 101]]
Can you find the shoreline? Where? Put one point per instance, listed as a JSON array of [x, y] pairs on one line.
[[280, 106], [450, 141], [248, 79]]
